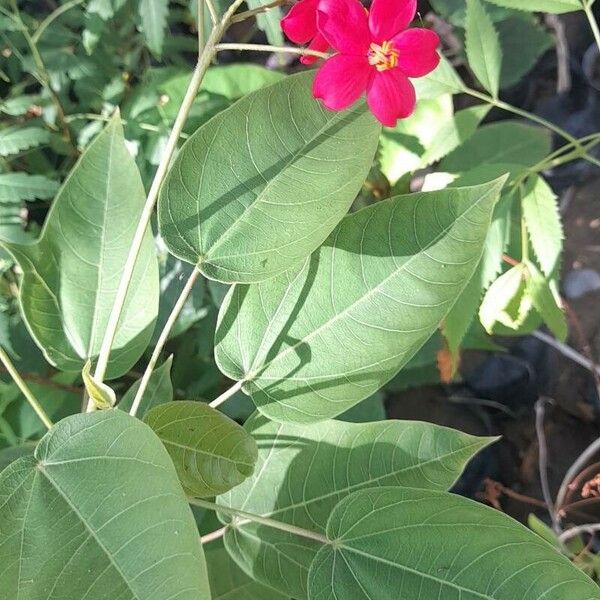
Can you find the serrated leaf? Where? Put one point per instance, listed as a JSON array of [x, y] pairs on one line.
[[426, 545], [15, 187], [262, 184], [483, 47], [211, 453], [72, 272], [455, 11], [16, 139], [303, 471], [229, 582], [19, 105], [547, 303], [410, 257], [550, 6], [103, 8], [98, 513], [443, 80], [158, 391], [544, 225], [153, 14]]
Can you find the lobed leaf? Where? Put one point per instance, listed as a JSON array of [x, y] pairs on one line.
[[98, 513], [303, 471], [262, 184], [211, 453], [317, 340], [424, 545]]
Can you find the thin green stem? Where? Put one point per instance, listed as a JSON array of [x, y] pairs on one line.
[[201, 26], [162, 340], [240, 515], [52, 16], [228, 394], [214, 15], [274, 49], [204, 61], [33, 401], [589, 13], [257, 11]]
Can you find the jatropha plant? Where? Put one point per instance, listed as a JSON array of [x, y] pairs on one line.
[[325, 304]]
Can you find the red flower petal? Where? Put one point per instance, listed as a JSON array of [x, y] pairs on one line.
[[391, 96], [344, 25], [417, 54], [300, 24], [341, 80], [389, 17], [320, 44]]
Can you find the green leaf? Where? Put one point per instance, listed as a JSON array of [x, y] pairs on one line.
[[426, 545], [72, 272], [15, 187], [229, 582], [103, 8], [235, 81], [100, 394], [546, 302], [262, 184], [153, 14], [10, 455], [523, 42], [483, 47], [310, 344], [303, 471], [504, 143], [443, 80], [550, 6], [211, 453], [544, 225], [98, 513], [16, 139], [158, 391], [269, 22], [455, 11]]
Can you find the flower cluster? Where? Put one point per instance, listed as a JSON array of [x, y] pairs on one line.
[[375, 52]]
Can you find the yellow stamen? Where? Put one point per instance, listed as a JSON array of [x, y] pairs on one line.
[[383, 57]]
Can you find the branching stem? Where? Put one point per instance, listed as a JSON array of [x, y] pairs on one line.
[[274, 49]]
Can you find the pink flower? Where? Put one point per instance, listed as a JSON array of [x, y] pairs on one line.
[[300, 25], [376, 54]]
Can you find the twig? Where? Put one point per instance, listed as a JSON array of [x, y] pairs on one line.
[[214, 535], [33, 401], [575, 531], [578, 466], [274, 49], [256, 11], [226, 395], [540, 407], [47, 382], [567, 351], [52, 16]]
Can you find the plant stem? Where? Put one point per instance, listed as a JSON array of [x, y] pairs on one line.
[[213, 12], [33, 401], [575, 531], [237, 514], [51, 17], [268, 48], [162, 340], [204, 60], [587, 8], [257, 11], [201, 25], [226, 395], [567, 351], [213, 535], [535, 118]]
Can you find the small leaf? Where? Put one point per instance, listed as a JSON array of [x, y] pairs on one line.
[[547, 303], [549, 6], [315, 341], [16, 139], [229, 582], [71, 274], [158, 391], [262, 184], [303, 471], [426, 545], [483, 47], [15, 187], [211, 453], [544, 225], [101, 394], [153, 14], [443, 80], [98, 513]]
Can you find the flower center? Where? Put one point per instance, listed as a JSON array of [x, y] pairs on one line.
[[383, 57]]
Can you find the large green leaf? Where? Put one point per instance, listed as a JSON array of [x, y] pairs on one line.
[[229, 582], [425, 545], [211, 453], [317, 340], [303, 471], [263, 183], [98, 513], [549, 6], [483, 46], [72, 272]]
